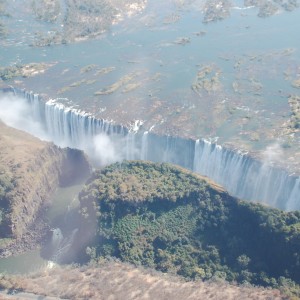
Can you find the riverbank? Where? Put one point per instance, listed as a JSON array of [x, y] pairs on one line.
[[33, 239]]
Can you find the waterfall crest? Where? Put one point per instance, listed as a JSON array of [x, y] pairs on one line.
[[242, 175], [246, 177]]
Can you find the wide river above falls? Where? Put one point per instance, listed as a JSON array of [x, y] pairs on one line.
[[249, 65]]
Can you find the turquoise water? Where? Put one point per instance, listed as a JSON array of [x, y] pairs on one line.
[[63, 200], [28, 262]]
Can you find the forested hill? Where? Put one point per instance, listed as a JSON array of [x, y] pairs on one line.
[[169, 219]]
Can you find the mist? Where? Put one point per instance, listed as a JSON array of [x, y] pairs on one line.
[[16, 112], [273, 154], [104, 150]]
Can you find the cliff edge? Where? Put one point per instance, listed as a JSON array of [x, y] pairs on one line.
[[30, 171]]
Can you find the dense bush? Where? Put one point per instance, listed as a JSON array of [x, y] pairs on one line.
[[167, 218], [6, 185]]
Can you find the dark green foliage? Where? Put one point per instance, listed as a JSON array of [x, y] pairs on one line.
[[294, 102], [6, 186], [142, 182], [3, 30], [10, 72], [172, 220]]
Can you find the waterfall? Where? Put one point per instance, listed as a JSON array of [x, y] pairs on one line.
[[293, 203], [242, 175], [144, 150], [57, 238], [61, 245], [246, 177]]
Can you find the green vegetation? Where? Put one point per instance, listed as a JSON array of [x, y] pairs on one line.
[[167, 218], [2, 30], [269, 8], [21, 70], [6, 186], [78, 19], [10, 72], [294, 102], [45, 10]]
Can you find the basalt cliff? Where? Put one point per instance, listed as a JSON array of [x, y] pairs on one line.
[[30, 171]]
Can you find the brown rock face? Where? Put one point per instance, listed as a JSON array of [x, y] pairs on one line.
[[31, 170]]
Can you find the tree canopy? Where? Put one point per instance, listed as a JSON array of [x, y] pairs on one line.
[[170, 219]]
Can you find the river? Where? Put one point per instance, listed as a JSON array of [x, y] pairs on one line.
[[63, 201]]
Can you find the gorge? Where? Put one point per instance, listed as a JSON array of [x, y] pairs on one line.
[[31, 171], [145, 134]]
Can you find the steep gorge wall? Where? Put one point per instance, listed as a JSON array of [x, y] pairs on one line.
[[240, 173], [36, 169]]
